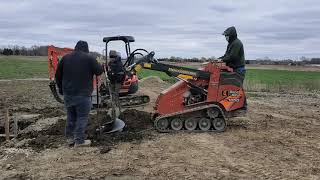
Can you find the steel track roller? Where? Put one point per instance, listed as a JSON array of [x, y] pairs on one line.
[[162, 124], [190, 124], [219, 124], [204, 124], [176, 124]]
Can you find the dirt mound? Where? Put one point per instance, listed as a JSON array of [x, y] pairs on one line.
[[48, 132], [136, 120], [137, 125], [152, 81], [47, 126], [43, 142], [43, 134]]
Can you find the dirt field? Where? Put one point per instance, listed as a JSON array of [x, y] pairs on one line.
[[279, 139]]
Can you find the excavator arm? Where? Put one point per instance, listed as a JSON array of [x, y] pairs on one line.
[[182, 73], [148, 62]]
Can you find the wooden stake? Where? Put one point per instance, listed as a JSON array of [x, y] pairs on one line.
[[7, 125], [15, 127]]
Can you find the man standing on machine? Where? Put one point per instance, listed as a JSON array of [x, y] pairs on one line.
[[234, 55], [74, 78], [116, 75]]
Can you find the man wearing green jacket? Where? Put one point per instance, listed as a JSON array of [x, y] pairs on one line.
[[234, 55]]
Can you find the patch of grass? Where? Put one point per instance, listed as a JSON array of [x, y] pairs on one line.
[[12, 67], [281, 80], [15, 67], [265, 80]]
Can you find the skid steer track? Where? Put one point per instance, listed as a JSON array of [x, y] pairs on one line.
[[182, 122]]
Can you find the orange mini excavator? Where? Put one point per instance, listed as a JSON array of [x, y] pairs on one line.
[[101, 95], [201, 100]]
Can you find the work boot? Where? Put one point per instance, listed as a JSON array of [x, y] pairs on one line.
[[86, 143]]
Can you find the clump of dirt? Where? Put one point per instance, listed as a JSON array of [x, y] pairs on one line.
[[43, 142], [46, 126], [136, 120], [48, 137], [23, 124]]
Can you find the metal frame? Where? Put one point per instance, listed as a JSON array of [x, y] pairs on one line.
[[125, 39]]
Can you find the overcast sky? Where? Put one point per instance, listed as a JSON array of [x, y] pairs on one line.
[[185, 28]]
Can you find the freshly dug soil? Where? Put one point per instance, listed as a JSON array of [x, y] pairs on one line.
[[137, 124], [46, 112]]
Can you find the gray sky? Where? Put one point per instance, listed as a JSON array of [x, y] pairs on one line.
[[185, 28]]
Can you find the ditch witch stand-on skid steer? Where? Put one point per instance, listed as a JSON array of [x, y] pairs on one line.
[[200, 101]]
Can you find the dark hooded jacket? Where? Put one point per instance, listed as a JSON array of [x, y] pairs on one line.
[[234, 56], [116, 72], [74, 75]]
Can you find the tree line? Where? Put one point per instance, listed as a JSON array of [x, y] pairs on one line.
[[179, 59], [31, 51], [25, 51], [43, 51]]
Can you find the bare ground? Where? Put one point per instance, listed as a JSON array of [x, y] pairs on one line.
[[279, 139]]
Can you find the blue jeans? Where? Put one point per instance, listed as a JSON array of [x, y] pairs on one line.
[[242, 72], [78, 109]]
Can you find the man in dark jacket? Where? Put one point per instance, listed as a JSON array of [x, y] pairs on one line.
[[234, 55], [116, 75], [74, 78]]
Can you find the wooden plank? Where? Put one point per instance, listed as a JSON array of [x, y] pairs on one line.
[[7, 125], [4, 135]]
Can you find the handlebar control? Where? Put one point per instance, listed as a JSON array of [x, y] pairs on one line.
[[147, 58]]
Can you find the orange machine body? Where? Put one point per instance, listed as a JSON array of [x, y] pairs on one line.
[[224, 88]]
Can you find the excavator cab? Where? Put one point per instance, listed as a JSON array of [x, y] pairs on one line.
[[129, 60], [130, 85]]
